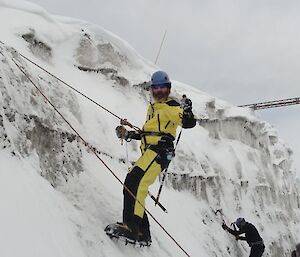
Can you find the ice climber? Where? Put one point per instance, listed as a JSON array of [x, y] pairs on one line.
[[251, 236], [296, 253], [157, 148]]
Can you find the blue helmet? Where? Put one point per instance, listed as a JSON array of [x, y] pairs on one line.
[[240, 222], [160, 78]]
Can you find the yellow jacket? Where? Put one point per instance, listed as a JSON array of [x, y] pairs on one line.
[[163, 119]]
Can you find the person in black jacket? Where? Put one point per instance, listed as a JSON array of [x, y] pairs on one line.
[[251, 236], [296, 253]]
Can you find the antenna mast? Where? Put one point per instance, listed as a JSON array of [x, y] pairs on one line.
[[161, 44]]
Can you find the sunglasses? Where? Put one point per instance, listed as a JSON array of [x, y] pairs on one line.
[[159, 86]]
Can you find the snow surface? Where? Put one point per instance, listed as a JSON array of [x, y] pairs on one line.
[[56, 197]]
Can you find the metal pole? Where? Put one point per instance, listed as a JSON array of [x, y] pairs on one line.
[[165, 171]]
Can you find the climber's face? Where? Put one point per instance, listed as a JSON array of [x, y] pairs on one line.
[[160, 92]]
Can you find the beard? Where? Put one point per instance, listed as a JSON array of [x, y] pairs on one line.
[[159, 96]]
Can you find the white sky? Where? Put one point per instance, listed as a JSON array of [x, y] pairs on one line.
[[241, 51]]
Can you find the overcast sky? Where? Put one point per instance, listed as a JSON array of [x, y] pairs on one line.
[[240, 51]]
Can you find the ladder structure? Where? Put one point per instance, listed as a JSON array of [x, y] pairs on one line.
[[273, 104]]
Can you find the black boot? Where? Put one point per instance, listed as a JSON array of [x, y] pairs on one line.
[[122, 231], [144, 239], [144, 232]]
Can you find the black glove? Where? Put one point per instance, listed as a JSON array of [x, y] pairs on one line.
[[121, 132], [224, 226], [186, 105]]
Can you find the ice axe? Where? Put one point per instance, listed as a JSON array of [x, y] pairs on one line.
[[222, 217], [221, 214]]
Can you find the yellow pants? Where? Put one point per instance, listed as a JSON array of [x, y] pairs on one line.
[[141, 176]]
